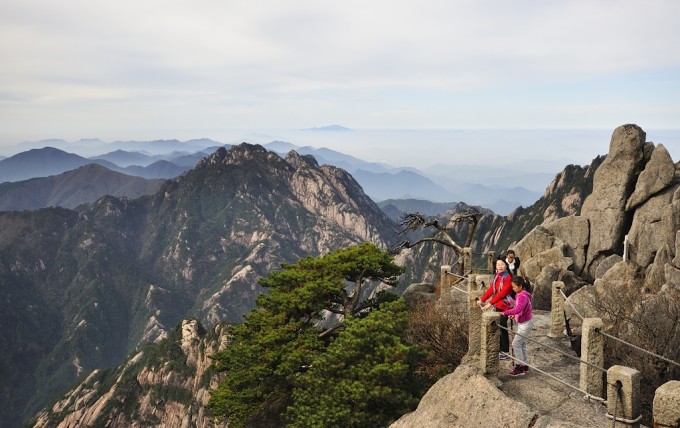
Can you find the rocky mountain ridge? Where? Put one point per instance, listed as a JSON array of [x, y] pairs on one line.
[[165, 384], [85, 288], [49, 161], [502, 189]]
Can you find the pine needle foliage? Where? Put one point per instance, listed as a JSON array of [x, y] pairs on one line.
[[313, 342]]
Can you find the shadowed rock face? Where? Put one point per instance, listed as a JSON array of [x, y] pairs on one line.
[[613, 183], [182, 372]]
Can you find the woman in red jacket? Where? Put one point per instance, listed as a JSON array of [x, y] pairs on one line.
[[499, 295]]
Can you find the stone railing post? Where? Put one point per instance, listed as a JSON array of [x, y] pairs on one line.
[[445, 281], [490, 343], [491, 262], [666, 406], [557, 310], [592, 351], [623, 396], [474, 317], [467, 261]]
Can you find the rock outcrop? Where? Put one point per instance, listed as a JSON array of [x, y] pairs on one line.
[[619, 259], [635, 203], [164, 385]]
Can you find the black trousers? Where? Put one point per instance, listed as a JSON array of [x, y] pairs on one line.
[[505, 337]]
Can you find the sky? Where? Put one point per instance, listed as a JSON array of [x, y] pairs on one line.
[[167, 69]]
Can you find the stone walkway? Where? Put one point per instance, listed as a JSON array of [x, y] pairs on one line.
[[545, 395]]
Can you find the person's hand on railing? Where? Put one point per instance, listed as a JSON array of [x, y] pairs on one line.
[[482, 305]]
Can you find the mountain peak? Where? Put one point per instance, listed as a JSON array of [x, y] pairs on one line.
[[329, 128]]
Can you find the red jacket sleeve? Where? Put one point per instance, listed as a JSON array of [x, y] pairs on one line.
[[488, 293]]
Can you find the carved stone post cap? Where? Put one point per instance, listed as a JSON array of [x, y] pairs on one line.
[[490, 316]]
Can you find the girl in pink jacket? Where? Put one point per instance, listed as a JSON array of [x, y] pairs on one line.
[[521, 313]]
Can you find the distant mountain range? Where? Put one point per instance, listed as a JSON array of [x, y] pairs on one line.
[[500, 189], [49, 161], [82, 185]]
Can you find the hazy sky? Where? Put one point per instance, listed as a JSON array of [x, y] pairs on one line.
[[121, 70]]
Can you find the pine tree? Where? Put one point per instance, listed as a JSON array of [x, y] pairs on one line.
[[285, 355]]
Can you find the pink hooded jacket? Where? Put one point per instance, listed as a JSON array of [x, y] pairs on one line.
[[522, 309]]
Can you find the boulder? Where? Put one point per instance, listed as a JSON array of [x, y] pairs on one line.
[[533, 243], [466, 398], [655, 276], [656, 176], [648, 232], [670, 222], [581, 303], [613, 183], [672, 275], [575, 232], [420, 293], [572, 282], [553, 256], [606, 264], [542, 287], [618, 291]]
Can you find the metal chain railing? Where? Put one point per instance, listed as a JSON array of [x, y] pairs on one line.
[[637, 347], [453, 286], [620, 340], [569, 303], [559, 351]]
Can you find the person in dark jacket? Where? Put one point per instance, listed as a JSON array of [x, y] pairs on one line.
[[513, 262]]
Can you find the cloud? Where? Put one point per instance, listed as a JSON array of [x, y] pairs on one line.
[[306, 63]]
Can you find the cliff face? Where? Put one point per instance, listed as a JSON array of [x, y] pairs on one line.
[[165, 384], [85, 288]]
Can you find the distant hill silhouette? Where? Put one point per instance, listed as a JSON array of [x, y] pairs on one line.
[[124, 158], [331, 128], [158, 169], [50, 161], [39, 163], [82, 185]]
